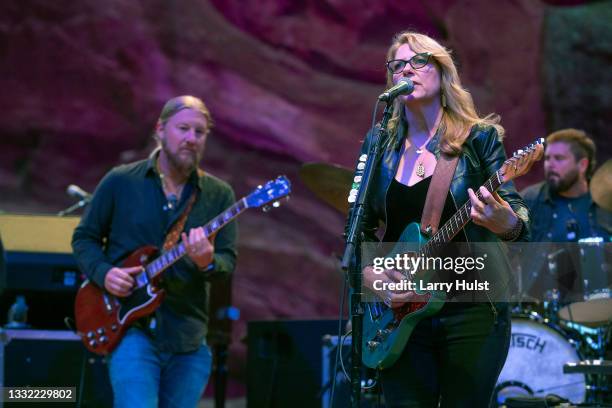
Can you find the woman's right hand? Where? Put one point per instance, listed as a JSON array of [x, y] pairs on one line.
[[392, 298]]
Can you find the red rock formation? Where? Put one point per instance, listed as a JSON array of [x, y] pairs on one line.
[[287, 82]]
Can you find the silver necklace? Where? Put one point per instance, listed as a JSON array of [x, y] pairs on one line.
[[172, 198]]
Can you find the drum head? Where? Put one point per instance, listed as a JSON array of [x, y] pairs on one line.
[[534, 366], [596, 311]]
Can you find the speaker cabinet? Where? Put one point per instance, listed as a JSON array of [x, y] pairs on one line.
[[284, 362], [41, 358]]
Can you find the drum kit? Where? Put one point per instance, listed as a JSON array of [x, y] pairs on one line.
[[560, 343], [559, 350], [557, 346]]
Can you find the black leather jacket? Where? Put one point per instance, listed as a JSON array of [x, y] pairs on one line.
[[483, 154]]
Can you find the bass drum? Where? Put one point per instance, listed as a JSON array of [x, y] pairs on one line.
[[534, 366]]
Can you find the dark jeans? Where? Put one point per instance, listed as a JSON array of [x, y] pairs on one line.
[[452, 359]]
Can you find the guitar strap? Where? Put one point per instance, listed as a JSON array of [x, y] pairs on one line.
[[174, 234], [147, 322], [437, 192]]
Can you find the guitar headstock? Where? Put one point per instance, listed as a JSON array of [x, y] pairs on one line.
[[269, 193], [522, 160]]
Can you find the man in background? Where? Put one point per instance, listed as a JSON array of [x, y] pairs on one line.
[[561, 206]]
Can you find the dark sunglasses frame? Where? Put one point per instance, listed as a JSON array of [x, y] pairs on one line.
[[427, 56]]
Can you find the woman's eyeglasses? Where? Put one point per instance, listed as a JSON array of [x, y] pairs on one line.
[[417, 61]]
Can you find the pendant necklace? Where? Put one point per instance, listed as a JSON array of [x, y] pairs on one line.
[[420, 170], [172, 199]]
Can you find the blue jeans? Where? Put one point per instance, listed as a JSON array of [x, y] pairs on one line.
[[142, 376]]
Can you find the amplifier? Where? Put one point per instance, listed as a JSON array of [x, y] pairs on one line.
[[54, 358], [38, 253], [284, 362], [39, 271], [39, 266]]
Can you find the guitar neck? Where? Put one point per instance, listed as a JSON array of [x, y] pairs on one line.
[[171, 256], [460, 219]]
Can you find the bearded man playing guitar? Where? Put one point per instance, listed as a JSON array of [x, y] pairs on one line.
[[162, 359], [454, 355]]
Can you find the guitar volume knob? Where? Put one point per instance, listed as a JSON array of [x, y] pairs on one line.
[[383, 333], [373, 344]]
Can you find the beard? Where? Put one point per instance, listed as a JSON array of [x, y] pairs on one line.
[[183, 160], [561, 184]]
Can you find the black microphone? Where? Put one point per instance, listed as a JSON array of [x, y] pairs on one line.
[[404, 87], [77, 192]]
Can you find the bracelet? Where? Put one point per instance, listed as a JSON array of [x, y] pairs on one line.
[[514, 232]]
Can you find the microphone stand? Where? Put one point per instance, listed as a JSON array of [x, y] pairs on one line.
[[353, 249], [80, 204]]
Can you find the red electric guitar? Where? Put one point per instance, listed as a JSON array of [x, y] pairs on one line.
[[102, 318]]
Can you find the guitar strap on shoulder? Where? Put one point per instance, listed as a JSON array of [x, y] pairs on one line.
[[174, 234], [437, 192]]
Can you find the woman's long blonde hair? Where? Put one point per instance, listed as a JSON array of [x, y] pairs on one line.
[[459, 114]]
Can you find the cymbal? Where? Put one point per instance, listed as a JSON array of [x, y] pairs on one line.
[[601, 186], [329, 182]]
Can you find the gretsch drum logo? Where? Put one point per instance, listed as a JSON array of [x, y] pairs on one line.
[[528, 341]]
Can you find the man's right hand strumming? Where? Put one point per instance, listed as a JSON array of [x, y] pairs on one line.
[[120, 281]]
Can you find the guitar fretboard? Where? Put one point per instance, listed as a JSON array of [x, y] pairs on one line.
[[169, 257], [459, 219]]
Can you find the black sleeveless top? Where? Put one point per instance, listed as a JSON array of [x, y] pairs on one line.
[[405, 205]]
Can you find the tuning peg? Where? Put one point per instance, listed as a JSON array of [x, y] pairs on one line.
[[276, 204], [266, 208]]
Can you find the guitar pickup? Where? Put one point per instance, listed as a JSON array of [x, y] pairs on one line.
[[382, 334]]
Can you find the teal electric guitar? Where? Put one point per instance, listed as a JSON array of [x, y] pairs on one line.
[[386, 330]]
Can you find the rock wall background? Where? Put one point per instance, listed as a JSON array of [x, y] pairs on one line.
[[287, 82]]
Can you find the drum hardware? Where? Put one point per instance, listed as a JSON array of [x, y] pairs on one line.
[[597, 371], [580, 329], [589, 367], [535, 359], [526, 306], [552, 305]]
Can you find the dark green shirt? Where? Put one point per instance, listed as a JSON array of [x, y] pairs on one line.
[[129, 210]]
